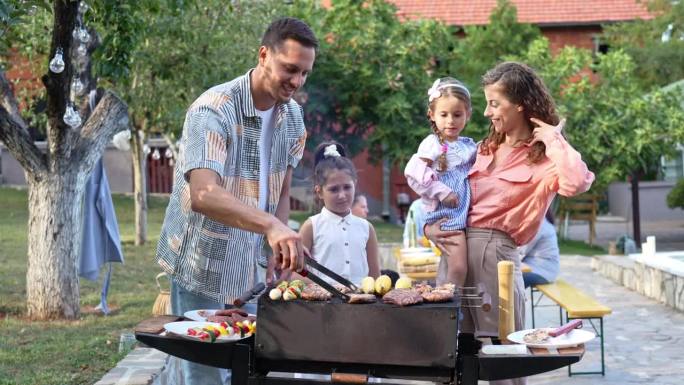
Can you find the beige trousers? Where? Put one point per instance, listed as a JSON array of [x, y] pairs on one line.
[[486, 247]]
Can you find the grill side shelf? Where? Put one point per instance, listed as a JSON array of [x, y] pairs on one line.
[[498, 367], [217, 354]]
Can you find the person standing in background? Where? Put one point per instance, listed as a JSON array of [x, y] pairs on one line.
[[360, 206]]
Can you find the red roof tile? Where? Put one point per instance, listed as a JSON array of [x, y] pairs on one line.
[[541, 12]]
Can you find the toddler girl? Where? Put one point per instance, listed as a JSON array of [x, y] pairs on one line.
[[439, 170]]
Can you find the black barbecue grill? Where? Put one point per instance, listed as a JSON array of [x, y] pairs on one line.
[[351, 342]]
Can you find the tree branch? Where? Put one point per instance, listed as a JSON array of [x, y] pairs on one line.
[[14, 132], [58, 85], [109, 117]]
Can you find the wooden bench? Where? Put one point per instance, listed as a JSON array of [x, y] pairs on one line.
[[583, 208], [576, 304]]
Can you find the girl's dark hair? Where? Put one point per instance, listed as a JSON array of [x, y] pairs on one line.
[[522, 86], [448, 86], [289, 28], [323, 164]]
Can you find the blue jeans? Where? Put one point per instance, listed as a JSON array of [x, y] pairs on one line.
[[182, 372], [532, 279]]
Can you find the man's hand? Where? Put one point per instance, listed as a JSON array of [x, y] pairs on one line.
[[451, 200], [440, 237], [288, 251]]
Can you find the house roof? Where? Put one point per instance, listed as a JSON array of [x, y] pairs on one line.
[[540, 12]]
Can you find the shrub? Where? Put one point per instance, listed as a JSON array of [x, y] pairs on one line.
[[676, 197]]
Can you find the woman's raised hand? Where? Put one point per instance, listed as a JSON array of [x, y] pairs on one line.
[[544, 131]]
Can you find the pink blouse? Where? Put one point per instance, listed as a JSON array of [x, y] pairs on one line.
[[514, 196]]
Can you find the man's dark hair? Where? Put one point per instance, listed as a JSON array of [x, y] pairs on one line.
[[289, 28]]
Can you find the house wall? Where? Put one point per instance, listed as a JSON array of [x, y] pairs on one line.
[[652, 201], [576, 36]]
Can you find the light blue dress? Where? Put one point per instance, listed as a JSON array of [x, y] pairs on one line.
[[460, 157]]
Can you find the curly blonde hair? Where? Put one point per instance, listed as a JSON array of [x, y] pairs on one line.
[[522, 86]]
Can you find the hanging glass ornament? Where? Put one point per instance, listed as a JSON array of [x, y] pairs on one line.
[[72, 117], [168, 154], [57, 63], [81, 50], [146, 149], [83, 35], [77, 85], [155, 154], [83, 7]]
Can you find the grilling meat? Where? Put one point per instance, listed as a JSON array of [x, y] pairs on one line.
[[361, 298], [438, 296], [313, 292], [402, 297], [228, 315]]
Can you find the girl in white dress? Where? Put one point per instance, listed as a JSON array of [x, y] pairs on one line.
[[339, 240]]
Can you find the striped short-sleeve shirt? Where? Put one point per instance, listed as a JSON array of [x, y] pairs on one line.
[[221, 133]]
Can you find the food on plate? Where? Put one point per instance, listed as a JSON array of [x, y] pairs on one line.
[[207, 333], [361, 298], [210, 333], [275, 294], [226, 315], [402, 297], [383, 285], [368, 285], [313, 292], [537, 336], [403, 283], [567, 328]]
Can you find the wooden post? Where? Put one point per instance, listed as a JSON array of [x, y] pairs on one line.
[[506, 270]]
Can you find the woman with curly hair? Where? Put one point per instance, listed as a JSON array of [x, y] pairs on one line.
[[520, 166]]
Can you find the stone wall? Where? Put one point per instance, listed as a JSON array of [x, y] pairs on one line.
[[660, 285]]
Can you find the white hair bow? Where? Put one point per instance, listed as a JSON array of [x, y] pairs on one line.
[[434, 92], [331, 150]]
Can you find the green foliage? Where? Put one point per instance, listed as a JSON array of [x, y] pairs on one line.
[[190, 47], [482, 48], [657, 62], [618, 125], [675, 199], [369, 84]]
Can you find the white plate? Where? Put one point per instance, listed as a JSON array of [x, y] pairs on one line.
[[181, 329], [196, 316], [573, 338]]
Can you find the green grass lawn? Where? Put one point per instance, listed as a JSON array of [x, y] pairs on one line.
[[82, 351]]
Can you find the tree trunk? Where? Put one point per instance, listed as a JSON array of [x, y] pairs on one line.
[[139, 185], [636, 211], [54, 238]]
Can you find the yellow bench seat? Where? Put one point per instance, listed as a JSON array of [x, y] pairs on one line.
[[576, 303]]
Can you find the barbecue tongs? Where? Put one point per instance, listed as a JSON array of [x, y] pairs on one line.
[[310, 262]]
